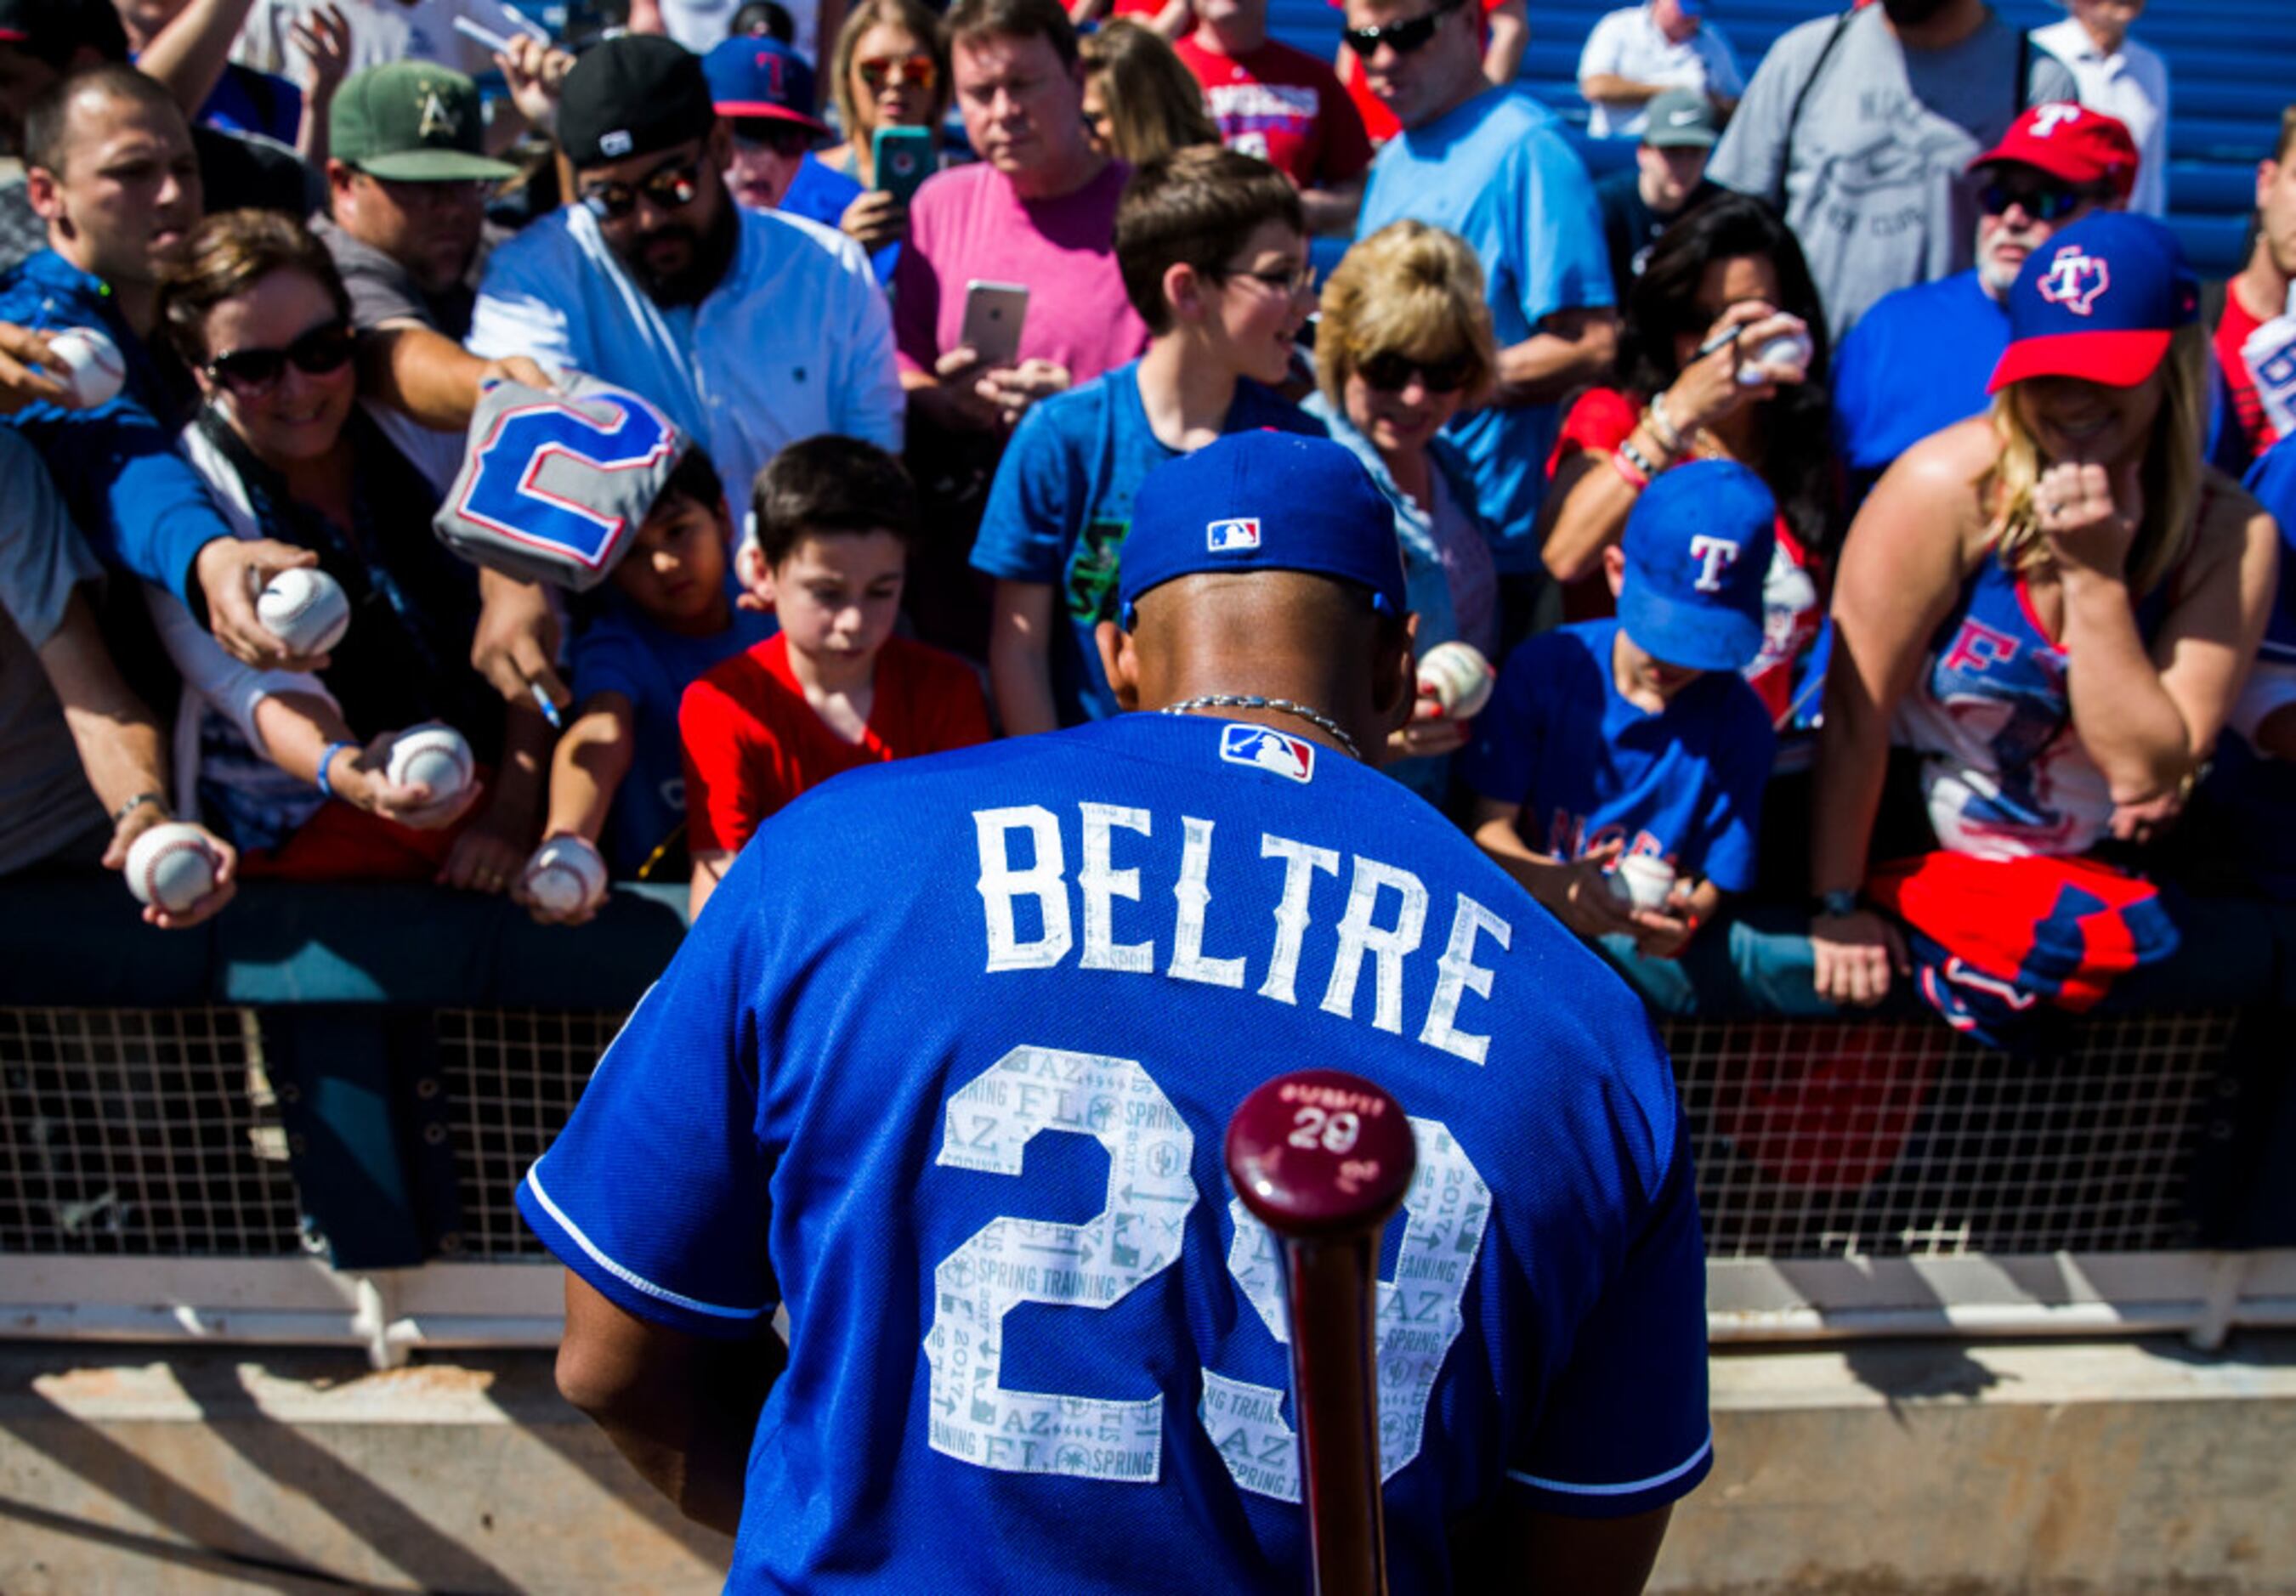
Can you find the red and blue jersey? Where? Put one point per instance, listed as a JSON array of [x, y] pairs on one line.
[[1589, 767], [944, 1068]]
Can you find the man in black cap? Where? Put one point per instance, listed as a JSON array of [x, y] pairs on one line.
[[751, 328]]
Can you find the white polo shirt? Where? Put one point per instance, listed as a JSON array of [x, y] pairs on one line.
[[794, 342], [1627, 43], [2132, 83]]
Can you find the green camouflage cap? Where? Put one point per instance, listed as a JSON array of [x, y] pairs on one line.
[[412, 121]]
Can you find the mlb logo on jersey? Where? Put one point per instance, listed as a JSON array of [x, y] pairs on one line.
[[1240, 535], [2076, 280], [1265, 749]]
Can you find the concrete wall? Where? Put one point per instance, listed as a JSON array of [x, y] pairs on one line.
[[1890, 1470]]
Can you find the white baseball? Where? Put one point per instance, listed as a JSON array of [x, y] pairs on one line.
[[566, 876], [173, 865], [1643, 881], [1788, 351], [305, 608], [432, 755], [1460, 676], [91, 365]]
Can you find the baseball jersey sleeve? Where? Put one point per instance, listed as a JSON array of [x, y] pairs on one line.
[[1730, 829], [1032, 504], [656, 1193], [1625, 1427], [723, 803]]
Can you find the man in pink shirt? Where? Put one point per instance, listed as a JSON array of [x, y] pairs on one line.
[[1038, 210]]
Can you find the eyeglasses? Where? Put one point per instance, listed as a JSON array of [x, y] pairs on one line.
[[325, 348], [1391, 373], [1402, 38], [882, 72], [668, 188], [2044, 203], [787, 140], [1278, 280]]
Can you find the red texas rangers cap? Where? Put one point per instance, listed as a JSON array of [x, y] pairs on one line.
[[2101, 300], [2072, 144]]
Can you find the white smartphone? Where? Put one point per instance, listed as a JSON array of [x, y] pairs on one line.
[[993, 314]]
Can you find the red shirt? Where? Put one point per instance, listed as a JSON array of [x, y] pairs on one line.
[[752, 743], [1792, 609], [1285, 107], [2232, 331]]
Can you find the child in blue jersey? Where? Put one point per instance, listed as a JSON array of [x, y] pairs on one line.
[[617, 781], [1638, 735], [1213, 249]]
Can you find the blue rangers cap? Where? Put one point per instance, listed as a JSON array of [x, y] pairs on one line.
[[1262, 501], [1698, 548], [2101, 300]]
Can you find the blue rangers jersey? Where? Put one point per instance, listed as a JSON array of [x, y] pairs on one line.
[[946, 1067]]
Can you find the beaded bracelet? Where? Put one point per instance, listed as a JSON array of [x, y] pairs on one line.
[[327, 759], [1632, 475], [1662, 426], [1639, 460]]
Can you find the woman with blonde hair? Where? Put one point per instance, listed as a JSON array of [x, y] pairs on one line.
[[1404, 343], [1140, 99], [2051, 609], [889, 68]]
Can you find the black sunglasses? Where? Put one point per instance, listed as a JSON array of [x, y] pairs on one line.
[[325, 348], [1402, 38], [670, 188], [2044, 203], [1392, 373]]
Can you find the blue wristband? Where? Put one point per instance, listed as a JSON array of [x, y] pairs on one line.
[[327, 759]]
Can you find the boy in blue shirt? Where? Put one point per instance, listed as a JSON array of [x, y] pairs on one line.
[[1213, 249], [617, 781], [1637, 735]]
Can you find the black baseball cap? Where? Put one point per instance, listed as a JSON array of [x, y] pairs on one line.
[[632, 95]]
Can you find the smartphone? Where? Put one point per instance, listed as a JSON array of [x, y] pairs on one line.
[[903, 158], [993, 314]]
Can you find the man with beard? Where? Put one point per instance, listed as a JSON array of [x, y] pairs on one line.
[[749, 328], [1920, 359], [1857, 127]]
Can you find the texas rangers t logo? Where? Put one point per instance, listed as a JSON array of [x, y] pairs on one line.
[[2076, 280], [1714, 555], [2048, 119], [1293, 757], [1237, 537]]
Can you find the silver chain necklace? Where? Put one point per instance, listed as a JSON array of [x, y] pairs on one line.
[[1250, 700]]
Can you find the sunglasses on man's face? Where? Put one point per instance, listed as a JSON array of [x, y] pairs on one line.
[[881, 71], [787, 140], [667, 188], [1402, 38], [1392, 373], [2044, 203], [325, 348]]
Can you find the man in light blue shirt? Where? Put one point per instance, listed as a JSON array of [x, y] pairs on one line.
[[1492, 166], [750, 329]]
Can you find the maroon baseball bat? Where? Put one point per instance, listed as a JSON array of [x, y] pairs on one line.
[[1324, 1159]]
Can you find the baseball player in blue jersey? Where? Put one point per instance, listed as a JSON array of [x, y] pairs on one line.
[[943, 1069]]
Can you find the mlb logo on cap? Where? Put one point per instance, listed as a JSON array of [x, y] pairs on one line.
[[1263, 747], [2101, 300], [1234, 536]]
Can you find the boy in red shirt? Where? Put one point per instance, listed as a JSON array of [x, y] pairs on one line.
[[1284, 106], [835, 689]]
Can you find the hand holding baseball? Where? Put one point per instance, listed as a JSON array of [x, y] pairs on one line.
[[27, 370], [2089, 515], [172, 898], [378, 779]]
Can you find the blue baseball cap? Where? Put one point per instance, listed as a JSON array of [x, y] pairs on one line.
[[1262, 501], [1698, 548], [2101, 300], [761, 78]]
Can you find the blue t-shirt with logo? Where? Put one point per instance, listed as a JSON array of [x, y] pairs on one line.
[[1498, 172], [1061, 504], [1589, 767], [623, 651], [943, 1068], [1914, 364]]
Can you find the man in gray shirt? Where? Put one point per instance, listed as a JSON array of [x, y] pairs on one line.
[[1859, 127]]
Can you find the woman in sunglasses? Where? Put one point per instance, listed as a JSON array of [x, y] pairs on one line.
[[1709, 367], [1404, 342], [890, 69], [253, 306]]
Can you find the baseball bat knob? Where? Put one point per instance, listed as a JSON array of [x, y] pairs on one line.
[[1321, 1153]]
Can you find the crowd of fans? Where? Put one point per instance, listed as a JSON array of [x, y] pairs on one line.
[[1844, 492]]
